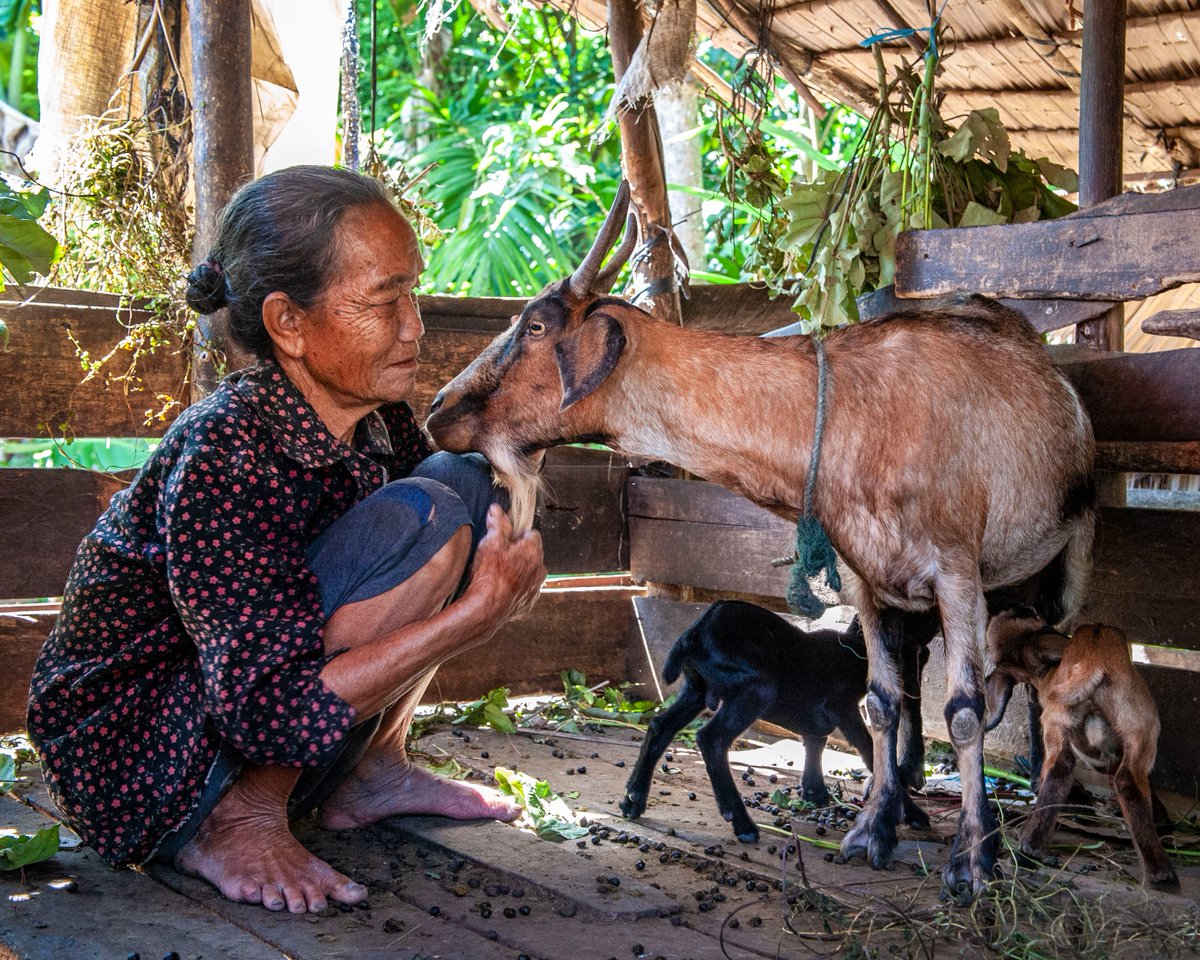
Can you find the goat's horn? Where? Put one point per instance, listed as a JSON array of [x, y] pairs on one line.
[[581, 281], [604, 282]]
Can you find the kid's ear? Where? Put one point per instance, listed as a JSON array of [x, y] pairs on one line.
[[1000, 686], [587, 355], [282, 318]]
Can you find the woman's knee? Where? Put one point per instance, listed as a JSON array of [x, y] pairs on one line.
[[469, 475]]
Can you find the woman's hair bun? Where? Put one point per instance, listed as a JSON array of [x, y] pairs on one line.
[[208, 290]]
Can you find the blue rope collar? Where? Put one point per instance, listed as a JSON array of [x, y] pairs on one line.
[[814, 553]]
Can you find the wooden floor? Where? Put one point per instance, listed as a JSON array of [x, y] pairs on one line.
[[479, 891]]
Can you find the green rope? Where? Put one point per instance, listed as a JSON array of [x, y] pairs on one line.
[[814, 553]]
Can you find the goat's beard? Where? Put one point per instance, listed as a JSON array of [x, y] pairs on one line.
[[520, 474]]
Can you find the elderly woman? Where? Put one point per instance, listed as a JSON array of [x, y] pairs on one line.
[[248, 630]]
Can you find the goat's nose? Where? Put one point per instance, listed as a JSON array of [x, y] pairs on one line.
[[437, 401]]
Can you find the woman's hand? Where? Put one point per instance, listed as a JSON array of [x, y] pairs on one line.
[[507, 572]]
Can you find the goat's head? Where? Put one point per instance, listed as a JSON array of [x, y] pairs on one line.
[[535, 385], [1023, 648]]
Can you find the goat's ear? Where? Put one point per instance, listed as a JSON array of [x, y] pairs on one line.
[[587, 355], [1000, 684]]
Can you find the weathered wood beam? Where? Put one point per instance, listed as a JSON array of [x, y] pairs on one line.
[[47, 394], [703, 535], [223, 128], [1131, 456], [1101, 131], [1174, 323], [581, 514], [1090, 255], [1044, 315], [641, 157]]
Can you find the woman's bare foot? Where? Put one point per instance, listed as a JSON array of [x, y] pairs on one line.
[[246, 851], [381, 787]]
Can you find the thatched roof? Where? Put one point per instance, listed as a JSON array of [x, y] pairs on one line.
[[1020, 56]]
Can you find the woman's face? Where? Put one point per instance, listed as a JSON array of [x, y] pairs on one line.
[[360, 336]]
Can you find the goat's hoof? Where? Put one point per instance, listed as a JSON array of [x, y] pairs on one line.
[[817, 797], [874, 841], [914, 816], [971, 866], [632, 807], [748, 836], [1164, 877], [1032, 857]]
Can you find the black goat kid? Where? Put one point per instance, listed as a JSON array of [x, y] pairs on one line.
[[747, 663]]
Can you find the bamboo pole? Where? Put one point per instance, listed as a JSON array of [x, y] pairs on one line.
[[223, 147], [642, 158]]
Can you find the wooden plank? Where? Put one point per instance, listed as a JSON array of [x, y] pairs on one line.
[[45, 393], [44, 515], [657, 624], [582, 519], [1045, 315], [1150, 457], [13, 296], [712, 538], [21, 639], [1085, 258], [1139, 397], [582, 628], [1144, 579], [582, 511], [108, 913], [701, 535], [736, 308], [1174, 323]]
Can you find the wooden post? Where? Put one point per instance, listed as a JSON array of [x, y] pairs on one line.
[[1101, 137], [642, 158], [223, 129]]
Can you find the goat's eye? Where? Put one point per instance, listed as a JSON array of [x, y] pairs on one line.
[[536, 328]]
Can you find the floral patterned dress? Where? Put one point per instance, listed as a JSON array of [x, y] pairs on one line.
[[190, 616]]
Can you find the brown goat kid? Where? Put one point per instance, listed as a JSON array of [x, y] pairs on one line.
[[1095, 708], [956, 459]]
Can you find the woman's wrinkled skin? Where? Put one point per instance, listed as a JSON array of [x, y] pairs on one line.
[[354, 349]]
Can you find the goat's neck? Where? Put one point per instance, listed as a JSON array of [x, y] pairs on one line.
[[735, 410]]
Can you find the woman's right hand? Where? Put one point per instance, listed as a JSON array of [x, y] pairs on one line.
[[507, 572]]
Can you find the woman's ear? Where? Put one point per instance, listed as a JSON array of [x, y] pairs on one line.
[[283, 319]]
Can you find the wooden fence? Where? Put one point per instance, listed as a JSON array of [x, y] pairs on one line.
[[600, 516]]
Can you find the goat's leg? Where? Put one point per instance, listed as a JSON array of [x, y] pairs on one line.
[[661, 732], [919, 629], [1037, 753], [812, 783], [1132, 788], [964, 618], [1057, 777], [714, 740], [874, 831]]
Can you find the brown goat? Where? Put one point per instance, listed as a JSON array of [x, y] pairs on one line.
[[956, 459], [1095, 707]]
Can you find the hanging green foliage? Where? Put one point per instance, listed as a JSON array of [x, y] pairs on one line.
[[910, 171]]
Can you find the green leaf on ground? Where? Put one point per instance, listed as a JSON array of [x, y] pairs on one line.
[[22, 850], [544, 811]]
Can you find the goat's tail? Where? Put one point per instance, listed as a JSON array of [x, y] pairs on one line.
[[1065, 583], [679, 654]]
